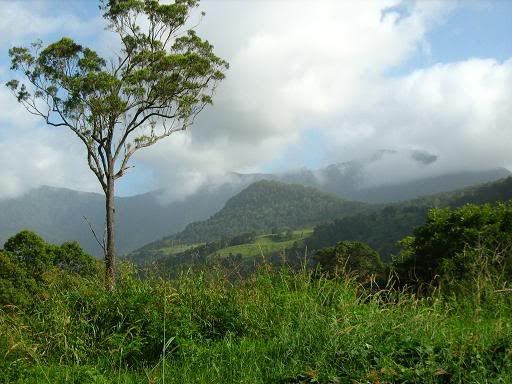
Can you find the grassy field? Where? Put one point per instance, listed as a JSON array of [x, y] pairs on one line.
[[175, 248], [266, 245], [274, 327]]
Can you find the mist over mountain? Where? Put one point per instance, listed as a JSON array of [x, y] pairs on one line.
[[385, 176], [383, 228], [58, 214], [415, 188]]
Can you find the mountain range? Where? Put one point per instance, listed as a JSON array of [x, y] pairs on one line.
[[383, 228], [58, 214], [267, 204], [263, 207]]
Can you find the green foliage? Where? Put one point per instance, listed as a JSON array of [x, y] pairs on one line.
[[269, 204], [242, 239], [478, 272], [70, 257], [383, 228], [380, 229], [161, 75], [27, 260], [350, 257], [158, 74], [450, 239], [31, 251], [16, 285], [270, 328], [231, 254]]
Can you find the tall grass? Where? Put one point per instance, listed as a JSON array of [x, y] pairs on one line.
[[273, 327]]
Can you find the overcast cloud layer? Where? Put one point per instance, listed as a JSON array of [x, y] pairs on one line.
[[308, 79]]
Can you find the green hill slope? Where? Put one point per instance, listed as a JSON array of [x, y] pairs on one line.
[[382, 229], [57, 214], [169, 253], [269, 204]]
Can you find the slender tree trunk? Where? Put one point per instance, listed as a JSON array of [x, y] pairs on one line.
[[110, 249]]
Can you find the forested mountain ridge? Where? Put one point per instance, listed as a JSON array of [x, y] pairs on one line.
[[383, 228], [57, 213], [416, 189], [349, 180], [270, 204]]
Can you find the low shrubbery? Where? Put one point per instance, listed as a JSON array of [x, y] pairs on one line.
[[275, 326], [328, 325], [463, 250], [351, 257], [27, 260]]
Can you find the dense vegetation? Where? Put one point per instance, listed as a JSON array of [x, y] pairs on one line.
[[384, 228], [27, 259], [268, 204], [380, 227], [240, 254], [439, 313], [463, 245], [57, 214], [272, 327], [350, 257]]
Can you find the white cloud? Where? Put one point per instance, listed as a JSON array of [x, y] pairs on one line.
[[32, 159], [305, 66], [294, 65], [457, 111], [32, 154], [22, 20]]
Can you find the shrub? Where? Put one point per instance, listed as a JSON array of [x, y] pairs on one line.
[[30, 251], [350, 257], [72, 258], [16, 286], [453, 242], [27, 258]]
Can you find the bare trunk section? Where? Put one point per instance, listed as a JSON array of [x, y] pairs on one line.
[[110, 249]]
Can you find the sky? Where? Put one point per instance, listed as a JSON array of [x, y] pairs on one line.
[[411, 88]]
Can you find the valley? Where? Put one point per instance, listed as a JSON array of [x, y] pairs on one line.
[[256, 192]]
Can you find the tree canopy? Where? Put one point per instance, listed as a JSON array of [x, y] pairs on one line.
[[164, 75], [350, 257], [449, 236]]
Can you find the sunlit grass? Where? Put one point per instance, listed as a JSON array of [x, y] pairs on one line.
[[274, 327], [266, 245]]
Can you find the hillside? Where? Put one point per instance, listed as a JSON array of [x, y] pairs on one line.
[[382, 229], [269, 204], [415, 189], [58, 215], [169, 253], [349, 180]]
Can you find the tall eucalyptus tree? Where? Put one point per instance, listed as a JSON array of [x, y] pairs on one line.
[[162, 77]]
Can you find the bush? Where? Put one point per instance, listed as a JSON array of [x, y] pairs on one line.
[[71, 257], [27, 258], [350, 257], [30, 251], [454, 243], [16, 286]]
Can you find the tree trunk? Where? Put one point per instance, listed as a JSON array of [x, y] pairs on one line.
[[110, 249]]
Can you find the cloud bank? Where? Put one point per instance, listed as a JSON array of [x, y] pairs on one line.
[[308, 79]]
